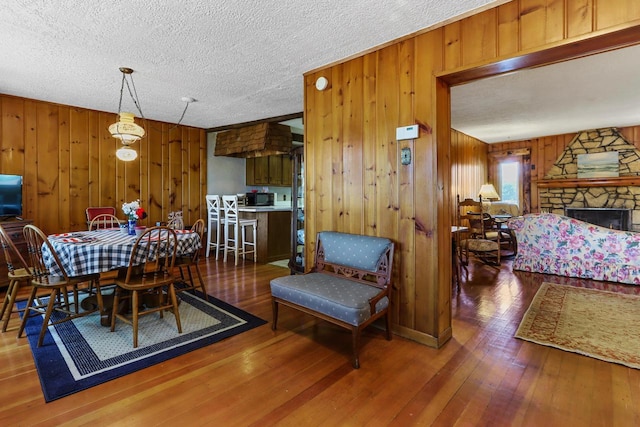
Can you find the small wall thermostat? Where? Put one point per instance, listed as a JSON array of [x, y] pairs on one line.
[[407, 132]]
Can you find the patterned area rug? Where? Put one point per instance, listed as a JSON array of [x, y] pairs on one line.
[[591, 322], [80, 354]]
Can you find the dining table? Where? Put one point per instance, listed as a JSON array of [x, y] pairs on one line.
[[99, 251], [103, 251]]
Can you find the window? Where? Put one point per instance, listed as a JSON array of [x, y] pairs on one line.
[[509, 174]]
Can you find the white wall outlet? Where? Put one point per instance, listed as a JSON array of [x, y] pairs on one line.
[[407, 132]]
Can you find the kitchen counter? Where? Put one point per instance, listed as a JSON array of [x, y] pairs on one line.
[[281, 208], [274, 231]]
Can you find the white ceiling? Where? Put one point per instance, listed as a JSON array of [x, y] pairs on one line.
[[592, 92], [241, 60]]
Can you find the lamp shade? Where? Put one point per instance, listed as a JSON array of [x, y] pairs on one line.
[[125, 129], [126, 154], [488, 192]]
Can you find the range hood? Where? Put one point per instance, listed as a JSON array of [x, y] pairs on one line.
[[264, 139]]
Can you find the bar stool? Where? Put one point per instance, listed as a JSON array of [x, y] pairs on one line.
[[238, 242], [216, 220]]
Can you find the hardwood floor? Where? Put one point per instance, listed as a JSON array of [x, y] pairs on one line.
[[301, 375]]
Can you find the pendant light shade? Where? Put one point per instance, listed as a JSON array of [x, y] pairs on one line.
[[126, 153], [125, 129]]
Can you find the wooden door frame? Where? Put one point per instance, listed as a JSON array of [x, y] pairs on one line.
[[577, 47]]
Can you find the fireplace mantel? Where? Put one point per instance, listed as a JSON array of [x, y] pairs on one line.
[[622, 181]]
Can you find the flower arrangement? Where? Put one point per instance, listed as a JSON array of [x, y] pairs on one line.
[[133, 211]]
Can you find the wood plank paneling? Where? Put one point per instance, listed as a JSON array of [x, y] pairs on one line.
[[579, 17], [334, 153], [67, 159], [352, 118], [11, 127], [405, 256], [489, 40], [427, 191], [508, 28], [611, 13], [479, 37]]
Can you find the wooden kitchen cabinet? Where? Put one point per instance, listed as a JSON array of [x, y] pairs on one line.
[[257, 171], [269, 170], [14, 231]]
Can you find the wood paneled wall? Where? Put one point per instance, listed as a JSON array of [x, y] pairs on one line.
[[546, 150], [469, 168], [355, 182], [67, 158]]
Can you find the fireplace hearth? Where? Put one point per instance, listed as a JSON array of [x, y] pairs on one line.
[[617, 219]]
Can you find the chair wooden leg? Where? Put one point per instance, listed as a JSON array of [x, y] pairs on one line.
[[388, 324], [7, 298], [255, 243], [218, 244], [114, 309], [274, 309], [134, 312], [206, 254], [45, 322], [174, 302], [355, 339], [204, 289], [226, 242], [236, 234], [25, 316], [7, 307]]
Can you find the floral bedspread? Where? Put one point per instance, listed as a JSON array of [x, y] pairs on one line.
[[556, 244]]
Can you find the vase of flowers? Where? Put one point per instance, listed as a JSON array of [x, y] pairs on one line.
[[134, 212]]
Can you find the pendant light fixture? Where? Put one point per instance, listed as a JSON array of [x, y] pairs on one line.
[[126, 130]]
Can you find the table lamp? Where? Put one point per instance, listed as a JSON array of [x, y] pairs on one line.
[[487, 193]]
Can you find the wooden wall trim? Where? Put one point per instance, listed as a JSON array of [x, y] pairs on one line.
[[564, 50]]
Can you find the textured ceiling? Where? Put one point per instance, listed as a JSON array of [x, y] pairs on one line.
[[241, 60], [587, 93]]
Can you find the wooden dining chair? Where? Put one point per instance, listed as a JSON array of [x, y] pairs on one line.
[[189, 262], [59, 306], [19, 274], [471, 215], [104, 222], [94, 211], [147, 277], [175, 220]]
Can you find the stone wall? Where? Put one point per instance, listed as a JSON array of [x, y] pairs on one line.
[[566, 167]]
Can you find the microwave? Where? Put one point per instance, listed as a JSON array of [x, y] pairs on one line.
[[260, 199]]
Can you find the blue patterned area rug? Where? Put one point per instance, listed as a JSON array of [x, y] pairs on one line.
[[80, 354]]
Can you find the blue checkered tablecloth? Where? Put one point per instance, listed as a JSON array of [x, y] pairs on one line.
[[106, 250]]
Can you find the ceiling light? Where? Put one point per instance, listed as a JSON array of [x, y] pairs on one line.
[[126, 153], [125, 129]]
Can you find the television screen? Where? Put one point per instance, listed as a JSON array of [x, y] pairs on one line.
[[10, 195]]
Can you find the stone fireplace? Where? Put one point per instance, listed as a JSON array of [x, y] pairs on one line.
[[561, 188]]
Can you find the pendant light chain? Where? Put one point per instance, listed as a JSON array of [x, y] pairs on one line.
[[133, 94]]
